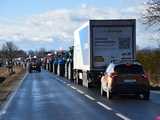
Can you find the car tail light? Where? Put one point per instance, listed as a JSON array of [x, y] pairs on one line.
[[128, 65], [114, 75], [145, 76]]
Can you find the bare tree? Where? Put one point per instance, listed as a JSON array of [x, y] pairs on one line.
[[41, 52], [151, 17], [152, 13], [21, 53], [31, 53], [9, 50]]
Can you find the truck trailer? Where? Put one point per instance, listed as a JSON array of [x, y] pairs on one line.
[[97, 43]]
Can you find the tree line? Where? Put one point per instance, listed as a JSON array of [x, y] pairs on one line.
[[150, 59], [8, 53]]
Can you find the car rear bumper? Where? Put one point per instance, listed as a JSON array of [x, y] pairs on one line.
[[35, 68], [129, 89]]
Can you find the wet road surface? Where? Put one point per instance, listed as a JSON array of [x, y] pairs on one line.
[[44, 96]]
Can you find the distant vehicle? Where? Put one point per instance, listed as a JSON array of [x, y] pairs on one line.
[[125, 78], [97, 43], [34, 65]]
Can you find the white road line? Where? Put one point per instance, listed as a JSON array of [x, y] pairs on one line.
[[155, 92], [105, 106], [80, 91], [73, 87], [64, 82], [68, 84], [89, 97], [6, 105], [122, 116]]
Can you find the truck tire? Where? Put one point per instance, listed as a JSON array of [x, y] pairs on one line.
[[85, 80], [62, 70], [39, 70], [29, 68], [55, 69], [74, 76], [30, 71], [78, 81], [50, 67], [77, 78]]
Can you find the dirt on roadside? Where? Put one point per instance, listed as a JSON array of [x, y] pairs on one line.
[[10, 83]]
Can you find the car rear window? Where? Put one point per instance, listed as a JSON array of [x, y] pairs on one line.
[[129, 69]]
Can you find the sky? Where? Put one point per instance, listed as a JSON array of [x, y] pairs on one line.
[[49, 24]]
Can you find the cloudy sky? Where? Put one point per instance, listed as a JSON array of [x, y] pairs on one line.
[[34, 24]]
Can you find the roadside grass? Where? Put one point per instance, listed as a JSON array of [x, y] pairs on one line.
[[4, 72], [10, 83]]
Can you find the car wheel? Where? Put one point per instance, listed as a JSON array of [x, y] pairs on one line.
[[103, 93], [109, 94], [146, 96]]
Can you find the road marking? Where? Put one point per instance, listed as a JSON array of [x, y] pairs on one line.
[[73, 87], [89, 97], [105, 106], [80, 91], [100, 103], [64, 82], [155, 92], [6, 105], [122, 116]]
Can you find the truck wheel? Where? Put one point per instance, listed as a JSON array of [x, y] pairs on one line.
[[74, 76], [109, 95], [78, 80], [85, 80], [103, 93], [39, 70]]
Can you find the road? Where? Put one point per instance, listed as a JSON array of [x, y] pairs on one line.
[[44, 96]]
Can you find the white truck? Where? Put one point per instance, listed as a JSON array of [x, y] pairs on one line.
[[97, 43]]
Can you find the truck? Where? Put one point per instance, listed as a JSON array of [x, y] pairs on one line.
[[97, 43]]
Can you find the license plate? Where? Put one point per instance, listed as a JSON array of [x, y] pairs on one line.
[[129, 81]]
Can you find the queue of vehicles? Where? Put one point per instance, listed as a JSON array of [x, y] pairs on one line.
[[103, 55]]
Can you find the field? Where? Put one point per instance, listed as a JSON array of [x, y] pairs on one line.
[[3, 72], [10, 83]]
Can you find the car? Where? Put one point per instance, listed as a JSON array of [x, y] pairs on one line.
[[125, 78], [34, 65]]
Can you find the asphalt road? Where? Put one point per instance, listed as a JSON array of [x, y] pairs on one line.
[[44, 96]]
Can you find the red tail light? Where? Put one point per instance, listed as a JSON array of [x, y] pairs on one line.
[[145, 76], [114, 75]]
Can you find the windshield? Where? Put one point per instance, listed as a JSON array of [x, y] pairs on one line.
[[129, 69]]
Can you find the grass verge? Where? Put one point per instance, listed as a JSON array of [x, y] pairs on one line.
[[10, 83]]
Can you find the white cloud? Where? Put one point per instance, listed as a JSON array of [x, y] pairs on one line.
[[60, 24]]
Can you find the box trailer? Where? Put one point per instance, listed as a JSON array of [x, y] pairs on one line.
[[97, 43]]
